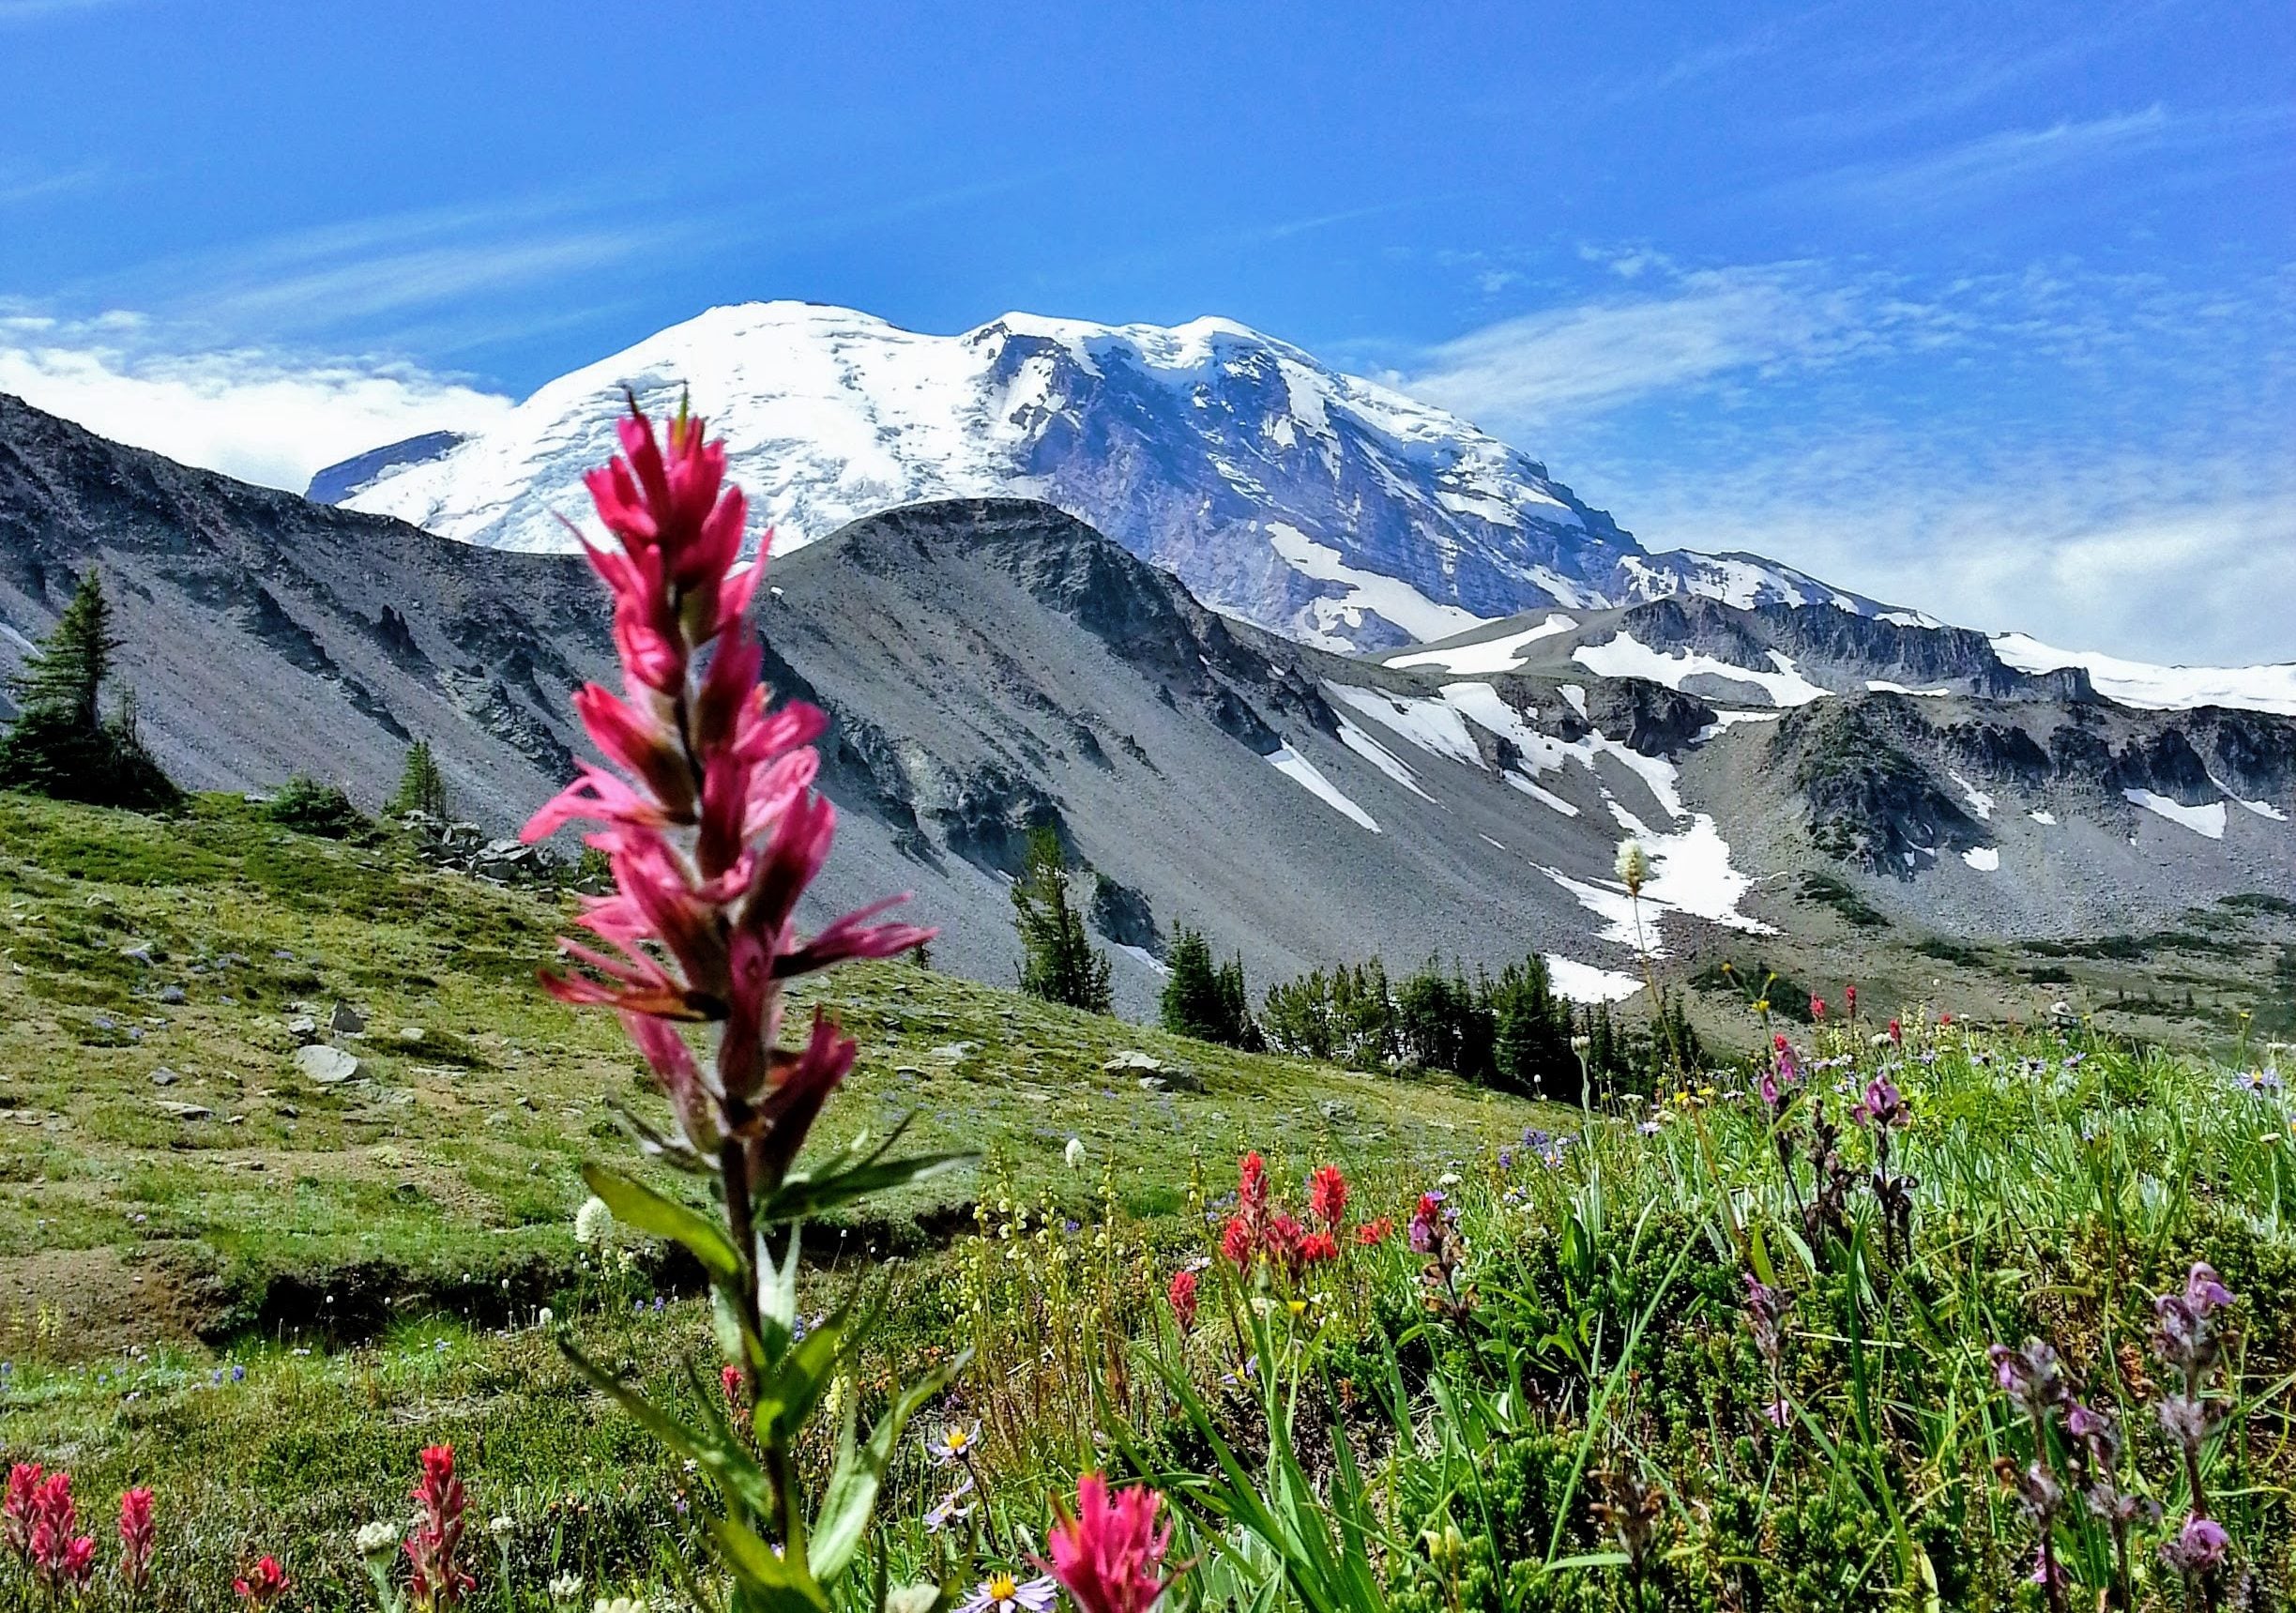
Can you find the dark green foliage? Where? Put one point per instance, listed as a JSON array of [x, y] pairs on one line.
[[1059, 961], [1826, 890], [1203, 999], [1346, 1017], [61, 744], [1758, 983], [421, 786], [309, 807], [1531, 1031]]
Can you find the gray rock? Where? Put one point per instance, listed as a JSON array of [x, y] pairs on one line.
[[956, 1052], [303, 1028], [1335, 1109], [327, 1066], [346, 1020], [171, 995], [185, 1111], [163, 1076], [137, 955], [413, 1035], [1130, 1059]]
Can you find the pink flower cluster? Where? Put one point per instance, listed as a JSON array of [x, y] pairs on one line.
[[437, 1582], [1259, 1230], [708, 815], [41, 1525], [1109, 1553]]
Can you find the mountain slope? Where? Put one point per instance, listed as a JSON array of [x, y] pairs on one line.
[[1325, 506]]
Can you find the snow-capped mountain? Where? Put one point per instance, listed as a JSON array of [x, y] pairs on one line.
[[1324, 506]]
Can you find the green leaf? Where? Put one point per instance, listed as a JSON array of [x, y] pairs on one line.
[[852, 1492], [636, 1205], [856, 1173], [728, 1464], [769, 1581]]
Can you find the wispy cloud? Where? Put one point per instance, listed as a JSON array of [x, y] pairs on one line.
[[1700, 327], [260, 414], [2013, 158], [19, 185]]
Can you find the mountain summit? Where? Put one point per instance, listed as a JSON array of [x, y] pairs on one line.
[[1330, 509]]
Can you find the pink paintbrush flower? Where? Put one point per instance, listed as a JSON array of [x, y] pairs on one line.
[[705, 812], [135, 1539], [1109, 1553], [437, 1582]]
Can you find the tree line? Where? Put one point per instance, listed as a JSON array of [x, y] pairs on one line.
[[1512, 1031]]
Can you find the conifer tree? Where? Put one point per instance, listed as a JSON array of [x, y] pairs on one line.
[[421, 786], [59, 743], [1191, 1003], [1237, 1027], [1058, 962]]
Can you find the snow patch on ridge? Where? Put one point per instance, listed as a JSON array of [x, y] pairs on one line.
[[1626, 656], [2203, 820], [1491, 654], [1368, 593], [1585, 982], [2160, 687], [1304, 773]]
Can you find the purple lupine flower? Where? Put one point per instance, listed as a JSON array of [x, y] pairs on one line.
[[2198, 1546], [1882, 1105]]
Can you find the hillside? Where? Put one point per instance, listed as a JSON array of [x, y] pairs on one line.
[[168, 1168]]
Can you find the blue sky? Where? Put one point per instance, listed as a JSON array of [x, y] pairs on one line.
[[1988, 308]]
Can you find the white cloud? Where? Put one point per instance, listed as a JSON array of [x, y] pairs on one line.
[[2154, 557], [259, 415], [1705, 325]]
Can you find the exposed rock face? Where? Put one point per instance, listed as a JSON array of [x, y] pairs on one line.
[[266, 635]]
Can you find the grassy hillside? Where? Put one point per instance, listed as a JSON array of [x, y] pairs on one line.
[[166, 1169]]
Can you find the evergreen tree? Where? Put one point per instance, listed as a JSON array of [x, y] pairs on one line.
[[421, 786], [1191, 1003], [60, 745], [1058, 962], [1237, 1027], [1533, 1030], [1297, 1017]]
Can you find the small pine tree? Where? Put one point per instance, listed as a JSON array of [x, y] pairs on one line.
[[421, 786], [1237, 1027], [1189, 1005], [1059, 961], [60, 745]]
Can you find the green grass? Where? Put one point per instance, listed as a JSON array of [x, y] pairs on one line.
[[449, 1167]]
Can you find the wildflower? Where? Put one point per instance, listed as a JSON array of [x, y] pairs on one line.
[[2031, 1376], [1109, 1553], [593, 1223], [1075, 1153], [951, 1507], [619, 1605], [1372, 1233], [502, 1528], [1238, 1240], [1632, 865], [135, 1538], [1426, 1223], [1182, 1296], [730, 1385], [1818, 1006], [1327, 1196], [1882, 1105], [1896, 1033], [919, 1598], [436, 1582], [1000, 1592], [2198, 1546], [702, 755], [261, 1585], [19, 1509], [58, 1553], [1632, 1507], [1850, 1000], [954, 1443], [1252, 1185], [1316, 1248], [378, 1539], [565, 1587]]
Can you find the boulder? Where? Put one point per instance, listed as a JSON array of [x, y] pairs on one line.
[[327, 1066], [346, 1020]]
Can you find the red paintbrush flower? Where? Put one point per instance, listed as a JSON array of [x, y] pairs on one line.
[[263, 1585], [705, 812], [1109, 1553], [1182, 1295], [438, 1581], [135, 1539], [1327, 1196]]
